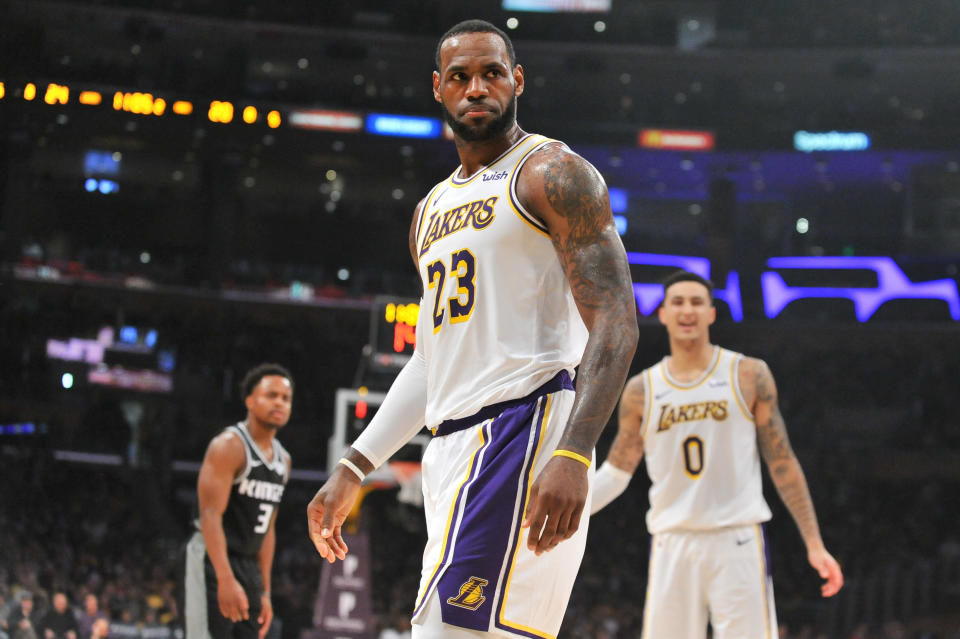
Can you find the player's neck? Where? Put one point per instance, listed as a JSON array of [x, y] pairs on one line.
[[475, 156], [690, 358], [262, 435]]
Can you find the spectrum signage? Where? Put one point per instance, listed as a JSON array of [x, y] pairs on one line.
[[892, 284], [808, 141]]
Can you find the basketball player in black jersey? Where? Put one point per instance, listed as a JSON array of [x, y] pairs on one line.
[[229, 557]]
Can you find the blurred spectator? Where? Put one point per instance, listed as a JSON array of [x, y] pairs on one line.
[[59, 622], [398, 628], [152, 628], [125, 627], [24, 620], [88, 616]]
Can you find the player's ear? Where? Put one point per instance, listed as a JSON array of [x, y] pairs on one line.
[[436, 86], [660, 311], [713, 314], [248, 401], [518, 79]]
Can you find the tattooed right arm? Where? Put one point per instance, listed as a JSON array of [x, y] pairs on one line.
[[627, 449]]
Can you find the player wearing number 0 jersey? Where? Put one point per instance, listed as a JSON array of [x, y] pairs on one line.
[[241, 483], [703, 417], [695, 426], [524, 278]]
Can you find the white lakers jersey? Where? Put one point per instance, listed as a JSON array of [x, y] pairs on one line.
[[497, 318], [700, 444]]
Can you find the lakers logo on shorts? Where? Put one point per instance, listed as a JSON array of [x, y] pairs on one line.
[[470, 595]]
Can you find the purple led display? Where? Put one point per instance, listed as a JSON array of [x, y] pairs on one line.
[[892, 284], [649, 295], [777, 294]]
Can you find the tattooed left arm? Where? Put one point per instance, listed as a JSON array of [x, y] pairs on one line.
[[569, 195], [760, 390], [776, 451]]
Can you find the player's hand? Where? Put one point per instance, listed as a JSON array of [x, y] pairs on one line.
[[266, 615], [329, 509], [557, 499], [828, 568], [233, 600]]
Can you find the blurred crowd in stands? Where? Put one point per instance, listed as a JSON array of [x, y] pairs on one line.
[[818, 23], [92, 550], [858, 23], [868, 407]]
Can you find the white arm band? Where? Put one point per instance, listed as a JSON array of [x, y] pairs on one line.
[[401, 415], [607, 485]]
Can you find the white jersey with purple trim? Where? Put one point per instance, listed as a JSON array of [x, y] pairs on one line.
[[497, 319], [700, 445]]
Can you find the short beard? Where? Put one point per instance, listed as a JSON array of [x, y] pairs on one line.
[[492, 130]]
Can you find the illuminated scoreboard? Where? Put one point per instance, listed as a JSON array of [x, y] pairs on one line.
[[393, 330]]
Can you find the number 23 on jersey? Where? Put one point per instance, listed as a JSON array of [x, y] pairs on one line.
[[463, 266]]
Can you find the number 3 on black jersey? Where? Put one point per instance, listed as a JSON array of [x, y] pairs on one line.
[[463, 266], [263, 519]]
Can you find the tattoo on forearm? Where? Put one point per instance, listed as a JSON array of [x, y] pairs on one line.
[[785, 470], [792, 487], [595, 264], [774, 443], [627, 448], [633, 400]]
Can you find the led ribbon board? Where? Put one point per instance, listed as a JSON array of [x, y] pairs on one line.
[[649, 295], [676, 140], [892, 284], [403, 126]]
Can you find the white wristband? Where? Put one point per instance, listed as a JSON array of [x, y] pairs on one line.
[[356, 469], [607, 485]]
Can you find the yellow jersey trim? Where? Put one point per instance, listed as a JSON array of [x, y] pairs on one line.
[[544, 419], [648, 403], [423, 213], [452, 180], [763, 579], [646, 600], [717, 351], [735, 382], [451, 516], [527, 218]]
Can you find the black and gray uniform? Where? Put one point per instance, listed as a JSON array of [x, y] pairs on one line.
[[254, 498]]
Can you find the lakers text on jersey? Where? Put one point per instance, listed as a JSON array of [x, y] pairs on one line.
[[497, 319], [692, 432]]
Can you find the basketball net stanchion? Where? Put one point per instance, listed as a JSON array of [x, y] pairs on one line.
[[398, 471], [405, 474], [343, 604]]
